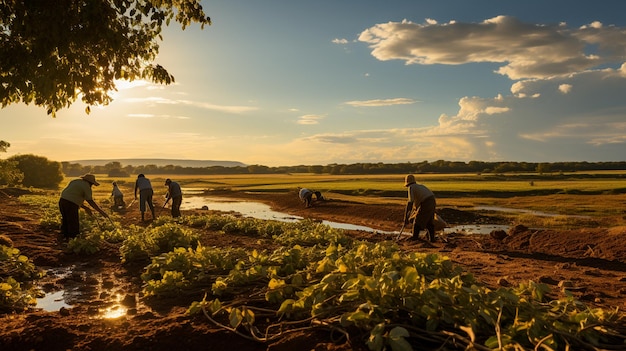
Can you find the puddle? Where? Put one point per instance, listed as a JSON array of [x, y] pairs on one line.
[[475, 228], [262, 211], [246, 208], [87, 288], [53, 301]]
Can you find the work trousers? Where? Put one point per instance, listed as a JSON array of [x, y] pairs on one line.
[[70, 223], [425, 218], [176, 202], [145, 197]]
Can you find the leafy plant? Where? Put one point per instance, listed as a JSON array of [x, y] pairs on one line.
[[13, 263], [404, 301], [16, 269]]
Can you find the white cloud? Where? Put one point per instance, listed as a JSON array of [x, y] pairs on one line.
[[537, 122], [149, 115], [141, 115], [565, 88], [154, 100], [340, 41], [380, 102], [526, 50], [310, 119]]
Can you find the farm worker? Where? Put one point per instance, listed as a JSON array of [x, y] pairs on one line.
[[73, 197], [306, 196], [145, 195], [422, 200], [175, 193], [118, 196]]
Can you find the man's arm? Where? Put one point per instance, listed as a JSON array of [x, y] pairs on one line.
[[407, 211], [97, 208]]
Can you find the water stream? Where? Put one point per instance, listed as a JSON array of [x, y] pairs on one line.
[[262, 211]]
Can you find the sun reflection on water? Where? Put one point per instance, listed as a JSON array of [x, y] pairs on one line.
[[113, 312]]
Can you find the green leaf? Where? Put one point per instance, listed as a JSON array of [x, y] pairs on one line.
[[286, 306], [236, 317], [397, 339]]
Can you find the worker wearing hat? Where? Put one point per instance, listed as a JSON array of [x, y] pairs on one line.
[[73, 198], [421, 203]]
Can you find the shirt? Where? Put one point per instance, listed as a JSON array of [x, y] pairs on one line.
[[304, 192], [143, 184], [418, 193], [77, 191], [174, 190], [116, 192]]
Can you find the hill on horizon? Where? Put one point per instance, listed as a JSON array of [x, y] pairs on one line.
[[160, 162]]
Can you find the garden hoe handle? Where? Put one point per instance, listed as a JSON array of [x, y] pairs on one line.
[[131, 203], [401, 230]]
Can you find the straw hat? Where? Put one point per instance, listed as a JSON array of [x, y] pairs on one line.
[[410, 179], [91, 179]]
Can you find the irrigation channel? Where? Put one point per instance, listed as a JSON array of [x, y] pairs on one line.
[[263, 211]]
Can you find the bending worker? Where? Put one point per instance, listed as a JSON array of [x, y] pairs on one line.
[[145, 195], [72, 199], [175, 193], [306, 196], [422, 200], [118, 197]]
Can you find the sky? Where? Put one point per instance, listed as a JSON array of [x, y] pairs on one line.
[[288, 82]]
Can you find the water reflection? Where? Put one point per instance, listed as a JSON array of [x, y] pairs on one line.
[[80, 286], [246, 208], [53, 301]]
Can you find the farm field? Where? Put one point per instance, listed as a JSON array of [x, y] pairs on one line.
[[575, 258]]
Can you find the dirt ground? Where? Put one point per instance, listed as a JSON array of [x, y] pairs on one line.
[[591, 261]]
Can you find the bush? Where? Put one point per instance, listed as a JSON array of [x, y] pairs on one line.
[[9, 173], [38, 171]]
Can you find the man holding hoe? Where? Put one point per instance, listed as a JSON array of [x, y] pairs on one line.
[[72, 199], [422, 200], [175, 193]]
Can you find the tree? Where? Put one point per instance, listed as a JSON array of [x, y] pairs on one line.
[[52, 52], [9, 173], [4, 146], [543, 168], [38, 171]]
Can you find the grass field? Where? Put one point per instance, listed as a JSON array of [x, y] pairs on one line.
[[600, 196]]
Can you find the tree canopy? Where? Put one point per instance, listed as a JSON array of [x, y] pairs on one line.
[[54, 52], [38, 171], [4, 146]]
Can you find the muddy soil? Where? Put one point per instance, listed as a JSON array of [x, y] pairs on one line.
[[591, 260]]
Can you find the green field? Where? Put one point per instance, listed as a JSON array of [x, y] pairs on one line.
[[449, 183]]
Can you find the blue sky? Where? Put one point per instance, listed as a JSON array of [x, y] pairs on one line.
[[281, 83]]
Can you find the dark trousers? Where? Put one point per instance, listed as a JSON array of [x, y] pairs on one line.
[[70, 224], [176, 202], [425, 218], [307, 199], [145, 197]]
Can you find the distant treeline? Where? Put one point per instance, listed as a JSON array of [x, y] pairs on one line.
[[116, 169]]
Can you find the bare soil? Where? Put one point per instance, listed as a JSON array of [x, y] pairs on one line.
[[591, 260]]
